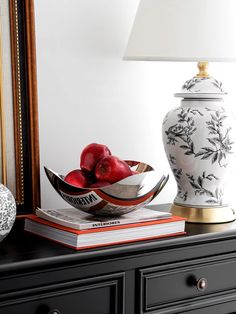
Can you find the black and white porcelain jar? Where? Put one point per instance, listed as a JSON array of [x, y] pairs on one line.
[[7, 211], [199, 140]]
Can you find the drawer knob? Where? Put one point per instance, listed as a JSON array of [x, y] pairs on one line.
[[202, 284], [54, 311]]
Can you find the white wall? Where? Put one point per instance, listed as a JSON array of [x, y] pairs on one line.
[[87, 93]]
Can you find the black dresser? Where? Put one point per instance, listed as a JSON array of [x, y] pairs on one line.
[[193, 274]]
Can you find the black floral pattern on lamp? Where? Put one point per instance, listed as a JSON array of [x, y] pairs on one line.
[[199, 187], [221, 144], [195, 85], [183, 130]]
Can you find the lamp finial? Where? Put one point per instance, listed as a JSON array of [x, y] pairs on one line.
[[203, 69]]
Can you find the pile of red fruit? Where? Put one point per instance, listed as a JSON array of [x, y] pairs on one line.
[[98, 168]]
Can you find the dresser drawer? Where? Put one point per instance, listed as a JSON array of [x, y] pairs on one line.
[[223, 308], [165, 287], [100, 295]]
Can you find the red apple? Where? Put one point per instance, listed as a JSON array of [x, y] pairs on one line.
[[78, 178], [112, 169], [100, 184], [92, 154]]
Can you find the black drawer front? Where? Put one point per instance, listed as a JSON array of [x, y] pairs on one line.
[[100, 295], [175, 284], [221, 308], [225, 308]]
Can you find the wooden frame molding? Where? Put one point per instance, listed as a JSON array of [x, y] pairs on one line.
[[24, 77], [2, 121]]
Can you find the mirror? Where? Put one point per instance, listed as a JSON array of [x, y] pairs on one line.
[[19, 154]]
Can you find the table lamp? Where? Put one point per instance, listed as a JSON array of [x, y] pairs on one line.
[[198, 135]]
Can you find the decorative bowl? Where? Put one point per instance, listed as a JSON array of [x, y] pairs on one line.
[[116, 199]]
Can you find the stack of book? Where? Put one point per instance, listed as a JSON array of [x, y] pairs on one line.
[[79, 230]]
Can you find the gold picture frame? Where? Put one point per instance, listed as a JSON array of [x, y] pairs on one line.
[[25, 109], [2, 121]]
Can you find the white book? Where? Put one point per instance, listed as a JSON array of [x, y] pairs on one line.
[[78, 220]]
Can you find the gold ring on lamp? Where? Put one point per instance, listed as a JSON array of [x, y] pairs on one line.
[[204, 215]]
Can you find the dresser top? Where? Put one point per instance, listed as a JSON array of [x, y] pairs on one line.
[[21, 249]]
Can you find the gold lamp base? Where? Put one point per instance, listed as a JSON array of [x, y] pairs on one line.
[[204, 215]]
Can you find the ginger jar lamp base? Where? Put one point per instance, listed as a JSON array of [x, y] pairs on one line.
[[199, 139]]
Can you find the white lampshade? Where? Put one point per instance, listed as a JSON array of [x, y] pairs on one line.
[[184, 30]]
